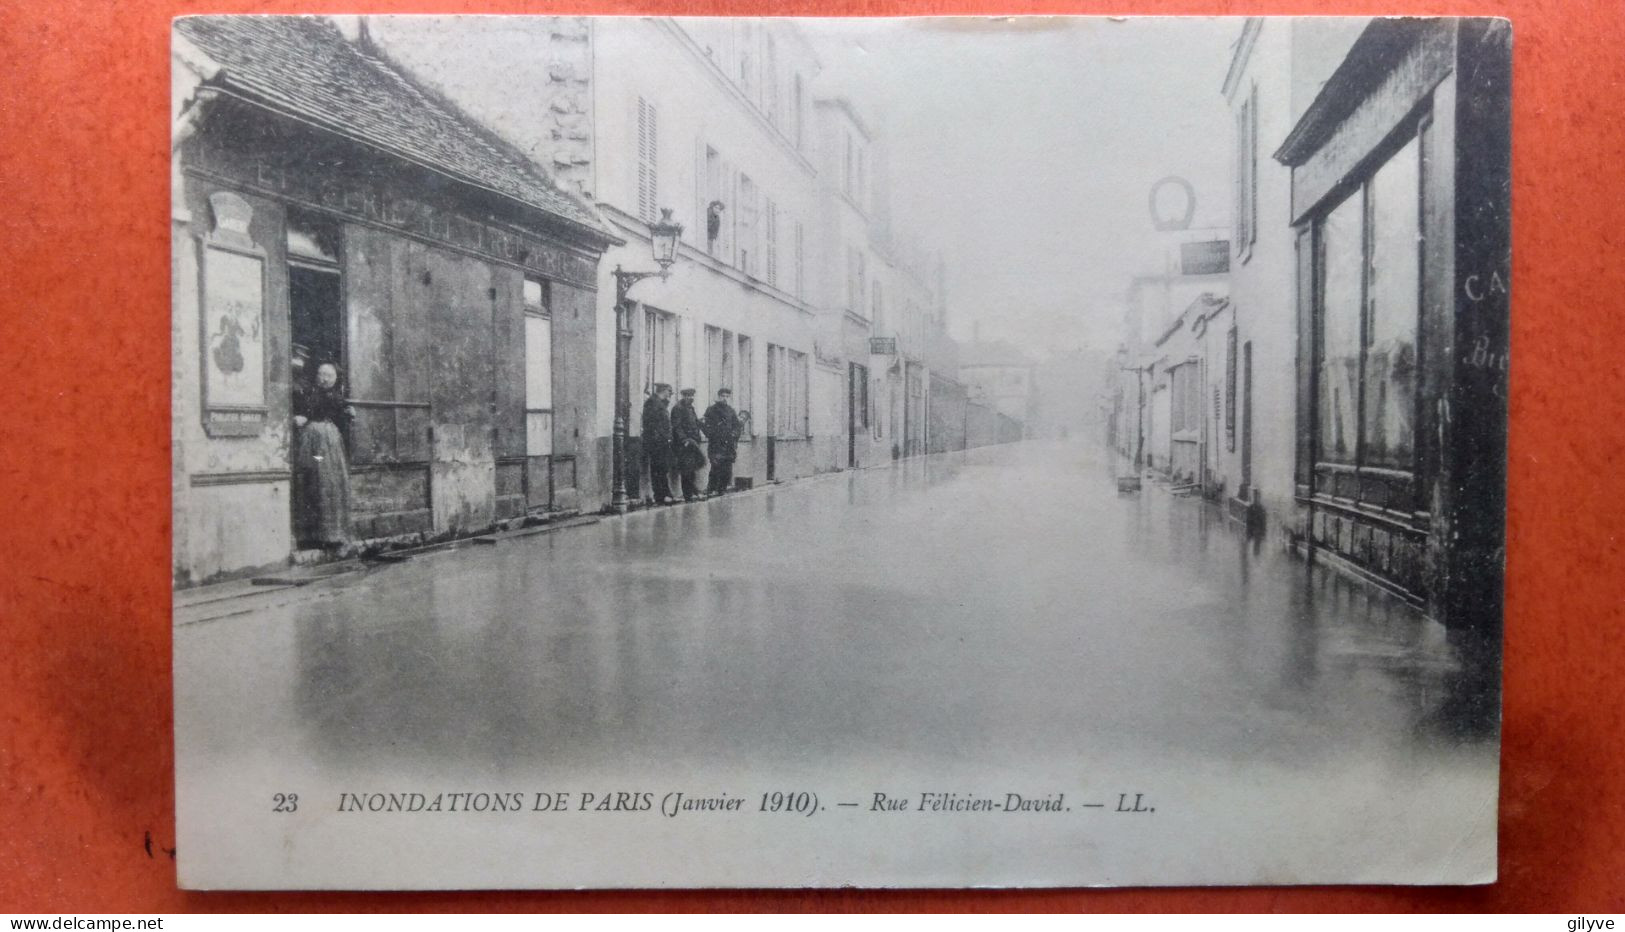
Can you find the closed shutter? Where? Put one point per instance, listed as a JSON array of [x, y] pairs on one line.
[[772, 211], [648, 164]]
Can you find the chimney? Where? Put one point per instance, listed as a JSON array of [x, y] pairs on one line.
[[353, 28]]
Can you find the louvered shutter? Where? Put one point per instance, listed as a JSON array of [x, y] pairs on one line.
[[648, 147]]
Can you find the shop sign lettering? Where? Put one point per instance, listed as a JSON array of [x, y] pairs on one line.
[[1478, 286], [369, 200]]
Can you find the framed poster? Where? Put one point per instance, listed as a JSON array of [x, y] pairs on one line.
[[231, 275]]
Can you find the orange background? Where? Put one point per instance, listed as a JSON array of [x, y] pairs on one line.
[[85, 763]]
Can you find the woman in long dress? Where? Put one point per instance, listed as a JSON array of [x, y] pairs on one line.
[[321, 470]]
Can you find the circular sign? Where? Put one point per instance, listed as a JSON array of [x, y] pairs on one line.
[[1164, 220]]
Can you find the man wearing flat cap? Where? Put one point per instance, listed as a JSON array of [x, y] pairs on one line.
[[689, 441], [657, 442], [722, 428]]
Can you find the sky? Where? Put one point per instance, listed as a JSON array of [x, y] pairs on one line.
[[1024, 150]]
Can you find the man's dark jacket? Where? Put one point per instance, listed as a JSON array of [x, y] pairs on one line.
[[656, 423], [722, 426], [687, 436]]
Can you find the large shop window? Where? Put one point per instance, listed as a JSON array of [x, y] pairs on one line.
[[1368, 310], [661, 352]]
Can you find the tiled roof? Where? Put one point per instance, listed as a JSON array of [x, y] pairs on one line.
[[303, 65]]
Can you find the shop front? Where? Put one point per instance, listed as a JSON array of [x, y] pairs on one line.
[[435, 282], [1400, 205]]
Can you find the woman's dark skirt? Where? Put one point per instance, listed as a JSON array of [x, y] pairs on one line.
[[322, 475]]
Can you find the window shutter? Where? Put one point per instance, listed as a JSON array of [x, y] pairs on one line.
[[801, 284], [648, 147], [772, 243], [696, 230], [1252, 168], [730, 217]]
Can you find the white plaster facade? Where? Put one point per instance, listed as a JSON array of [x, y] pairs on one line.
[[652, 114]]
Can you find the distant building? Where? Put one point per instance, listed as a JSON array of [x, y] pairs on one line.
[[1185, 376], [1161, 308], [999, 375]]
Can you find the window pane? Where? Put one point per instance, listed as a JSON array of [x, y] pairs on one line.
[[538, 362], [535, 294], [742, 392], [1341, 236], [538, 433], [1390, 364]]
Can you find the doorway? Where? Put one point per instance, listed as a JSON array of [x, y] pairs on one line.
[[857, 409], [316, 315], [1247, 420]]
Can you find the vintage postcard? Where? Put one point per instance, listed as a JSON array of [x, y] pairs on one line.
[[652, 452]]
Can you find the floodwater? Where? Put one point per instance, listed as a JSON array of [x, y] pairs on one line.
[[984, 624]]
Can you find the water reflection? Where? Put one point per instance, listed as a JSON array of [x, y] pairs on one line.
[[993, 606]]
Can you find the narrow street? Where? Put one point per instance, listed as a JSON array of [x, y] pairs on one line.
[[880, 630]]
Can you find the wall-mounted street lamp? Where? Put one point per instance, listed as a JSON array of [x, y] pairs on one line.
[[663, 238]]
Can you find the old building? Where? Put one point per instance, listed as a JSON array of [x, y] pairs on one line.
[[1399, 209], [1185, 379], [708, 118], [1166, 323], [999, 378], [880, 296], [327, 210]]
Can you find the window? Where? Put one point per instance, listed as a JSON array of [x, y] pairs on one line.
[[1230, 389], [863, 281], [770, 81], [749, 232], [1395, 294], [719, 360], [877, 311], [1246, 181], [713, 193], [859, 386], [538, 369], [801, 264], [858, 184], [647, 162], [1342, 235], [662, 354], [1368, 309], [788, 389], [856, 280], [799, 115], [742, 391], [1185, 402]]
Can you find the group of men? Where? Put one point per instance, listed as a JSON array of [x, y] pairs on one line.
[[674, 437]]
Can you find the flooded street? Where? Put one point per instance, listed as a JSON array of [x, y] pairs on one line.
[[988, 623]]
